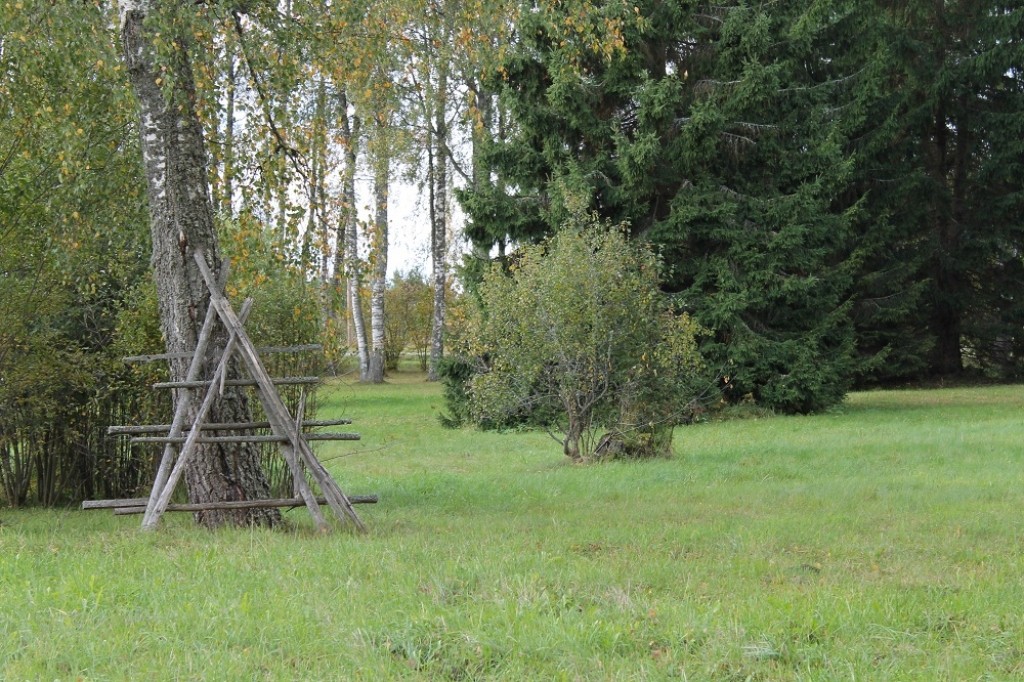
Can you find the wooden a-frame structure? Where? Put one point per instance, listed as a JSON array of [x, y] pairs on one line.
[[288, 431]]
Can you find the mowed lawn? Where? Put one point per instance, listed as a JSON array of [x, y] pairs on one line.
[[881, 541]]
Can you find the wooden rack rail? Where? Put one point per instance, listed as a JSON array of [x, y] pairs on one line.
[[228, 426]]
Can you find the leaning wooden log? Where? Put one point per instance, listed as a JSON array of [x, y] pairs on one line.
[[241, 438], [243, 504], [184, 401], [224, 426], [167, 475], [282, 381], [188, 354]]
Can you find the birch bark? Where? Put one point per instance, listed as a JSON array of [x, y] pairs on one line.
[[439, 224], [175, 161], [350, 125], [379, 258]]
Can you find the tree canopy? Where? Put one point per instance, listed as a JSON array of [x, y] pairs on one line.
[[830, 182], [834, 188]]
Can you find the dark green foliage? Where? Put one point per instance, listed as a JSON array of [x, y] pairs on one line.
[[835, 185], [941, 149], [713, 134], [455, 372]]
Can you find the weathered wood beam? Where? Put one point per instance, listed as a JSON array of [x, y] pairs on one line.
[[188, 354], [137, 505], [111, 504], [282, 381], [297, 449], [243, 438], [224, 426], [163, 488], [184, 399]]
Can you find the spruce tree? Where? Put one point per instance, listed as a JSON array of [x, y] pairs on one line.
[[939, 164], [716, 134]]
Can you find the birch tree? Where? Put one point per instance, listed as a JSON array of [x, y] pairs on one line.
[[379, 265], [447, 47], [156, 39]]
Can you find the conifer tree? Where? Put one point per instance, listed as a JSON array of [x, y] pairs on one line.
[[714, 133], [940, 166]]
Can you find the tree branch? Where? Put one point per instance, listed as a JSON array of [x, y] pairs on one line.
[[293, 154]]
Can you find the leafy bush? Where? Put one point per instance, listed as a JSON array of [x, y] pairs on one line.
[[579, 330], [409, 306]]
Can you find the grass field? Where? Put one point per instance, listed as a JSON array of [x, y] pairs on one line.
[[882, 541]]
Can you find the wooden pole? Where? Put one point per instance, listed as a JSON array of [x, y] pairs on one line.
[[129, 502], [244, 438], [300, 414], [238, 504], [221, 426], [262, 350], [283, 381], [181, 408]]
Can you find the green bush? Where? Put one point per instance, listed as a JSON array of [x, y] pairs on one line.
[[578, 330], [409, 306]]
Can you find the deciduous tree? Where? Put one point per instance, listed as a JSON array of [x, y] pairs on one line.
[[158, 38]]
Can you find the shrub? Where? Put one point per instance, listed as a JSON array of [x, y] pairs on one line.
[[578, 330]]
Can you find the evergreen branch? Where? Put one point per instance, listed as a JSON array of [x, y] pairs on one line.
[[755, 127], [737, 140], [817, 86]]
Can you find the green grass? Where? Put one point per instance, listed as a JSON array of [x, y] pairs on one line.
[[882, 541]]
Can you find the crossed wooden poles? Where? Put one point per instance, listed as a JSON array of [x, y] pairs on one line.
[[288, 432]]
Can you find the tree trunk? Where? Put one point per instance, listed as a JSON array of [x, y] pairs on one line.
[[355, 297], [947, 279], [181, 214], [439, 223], [228, 162], [379, 258], [350, 136]]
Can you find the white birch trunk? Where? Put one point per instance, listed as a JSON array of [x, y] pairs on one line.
[[379, 258], [228, 176], [354, 273], [439, 224], [350, 126]]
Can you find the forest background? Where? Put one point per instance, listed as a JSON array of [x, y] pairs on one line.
[[834, 187]]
